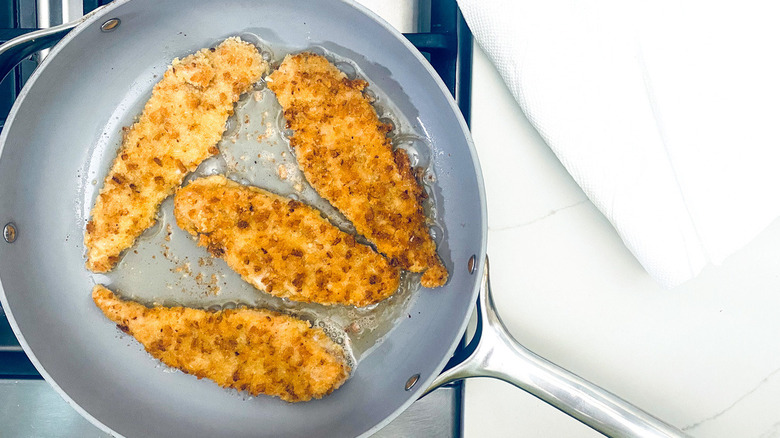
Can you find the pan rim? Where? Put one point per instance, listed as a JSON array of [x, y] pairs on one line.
[[421, 386], [3, 136]]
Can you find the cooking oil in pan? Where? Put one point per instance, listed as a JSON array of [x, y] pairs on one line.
[[166, 266]]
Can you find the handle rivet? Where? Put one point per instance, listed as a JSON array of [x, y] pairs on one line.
[[472, 264], [110, 24], [411, 382], [9, 232]]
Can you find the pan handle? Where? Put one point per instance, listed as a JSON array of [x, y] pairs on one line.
[[495, 353], [17, 49]]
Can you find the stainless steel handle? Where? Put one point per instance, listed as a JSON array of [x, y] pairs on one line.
[[17, 49], [495, 353]]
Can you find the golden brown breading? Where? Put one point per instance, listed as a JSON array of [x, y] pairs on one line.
[[343, 150], [179, 127], [253, 350], [282, 246]]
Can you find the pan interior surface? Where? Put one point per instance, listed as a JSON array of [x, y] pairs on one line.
[[95, 83]]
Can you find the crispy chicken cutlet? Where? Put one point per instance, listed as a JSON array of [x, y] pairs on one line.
[[343, 150], [178, 128], [253, 350], [282, 246]]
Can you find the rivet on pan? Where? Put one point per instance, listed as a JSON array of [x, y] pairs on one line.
[[9, 232], [411, 382], [110, 24], [472, 264]]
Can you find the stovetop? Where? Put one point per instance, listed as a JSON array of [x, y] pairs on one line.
[[30, 407]]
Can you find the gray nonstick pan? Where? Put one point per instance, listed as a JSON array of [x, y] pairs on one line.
[[57, 145]]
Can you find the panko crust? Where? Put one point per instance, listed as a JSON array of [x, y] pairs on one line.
[[253, 350], [343, 150], [179, 127], [282, 246]]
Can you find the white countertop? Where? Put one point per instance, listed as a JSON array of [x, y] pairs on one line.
[[703, 356]]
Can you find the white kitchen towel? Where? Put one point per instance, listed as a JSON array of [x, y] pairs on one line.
[[666, 113]]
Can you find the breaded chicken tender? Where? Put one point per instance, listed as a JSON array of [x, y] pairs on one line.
[[253, 350], [343, 150], [282, 246], [178, 128]]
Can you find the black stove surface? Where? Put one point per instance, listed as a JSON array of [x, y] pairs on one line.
[[448, 48]]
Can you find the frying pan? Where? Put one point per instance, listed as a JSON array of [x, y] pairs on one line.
[[91, 84]]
